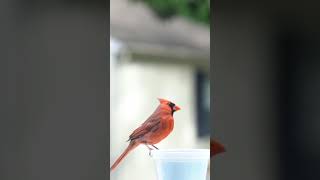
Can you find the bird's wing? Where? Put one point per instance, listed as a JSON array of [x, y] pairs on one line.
[[150, 124]]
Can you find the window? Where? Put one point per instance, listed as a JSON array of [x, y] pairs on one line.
[[203, 103]]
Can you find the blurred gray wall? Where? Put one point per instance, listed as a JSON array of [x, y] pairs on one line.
[[242, 102], [54, 94], [266, 89]]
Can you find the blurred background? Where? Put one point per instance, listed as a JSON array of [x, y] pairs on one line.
[[54, 88], [53, 95], [153, 54], [266, 89]]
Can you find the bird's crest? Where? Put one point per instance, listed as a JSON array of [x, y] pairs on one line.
[[163, 101]]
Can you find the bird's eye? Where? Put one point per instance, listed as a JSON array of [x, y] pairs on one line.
[[171, 104]]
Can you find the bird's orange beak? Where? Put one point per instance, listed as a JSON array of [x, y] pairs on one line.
[[176, 108]]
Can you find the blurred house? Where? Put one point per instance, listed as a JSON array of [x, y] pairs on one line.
[[150, 58]]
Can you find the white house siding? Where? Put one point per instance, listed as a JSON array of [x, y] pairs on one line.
[[139, 84]]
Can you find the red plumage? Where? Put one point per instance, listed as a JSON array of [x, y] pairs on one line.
[[157, 127], [216, 147]]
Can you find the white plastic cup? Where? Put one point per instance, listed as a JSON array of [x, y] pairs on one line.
[[181, 164]]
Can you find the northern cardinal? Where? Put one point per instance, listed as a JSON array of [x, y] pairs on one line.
[[216, 147], [157, 127]]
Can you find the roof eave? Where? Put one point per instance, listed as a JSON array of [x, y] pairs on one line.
[[168, 53]]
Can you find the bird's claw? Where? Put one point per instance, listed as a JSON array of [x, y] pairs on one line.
[[155, 147]]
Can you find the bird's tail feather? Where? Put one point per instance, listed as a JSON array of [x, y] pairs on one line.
[[130, 147]]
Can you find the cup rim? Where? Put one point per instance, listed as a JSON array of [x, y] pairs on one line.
[[181, 154]]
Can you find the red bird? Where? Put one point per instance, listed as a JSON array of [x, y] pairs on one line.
[[157, 127], [216, 147]]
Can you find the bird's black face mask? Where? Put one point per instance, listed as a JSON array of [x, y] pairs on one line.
[[172, 105]]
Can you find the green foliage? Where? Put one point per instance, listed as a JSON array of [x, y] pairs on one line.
[[197, 10]]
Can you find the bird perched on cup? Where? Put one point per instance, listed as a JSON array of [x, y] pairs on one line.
[[156, 128]]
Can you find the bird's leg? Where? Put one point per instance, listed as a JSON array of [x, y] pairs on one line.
[[154, 146], [150, 149]]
